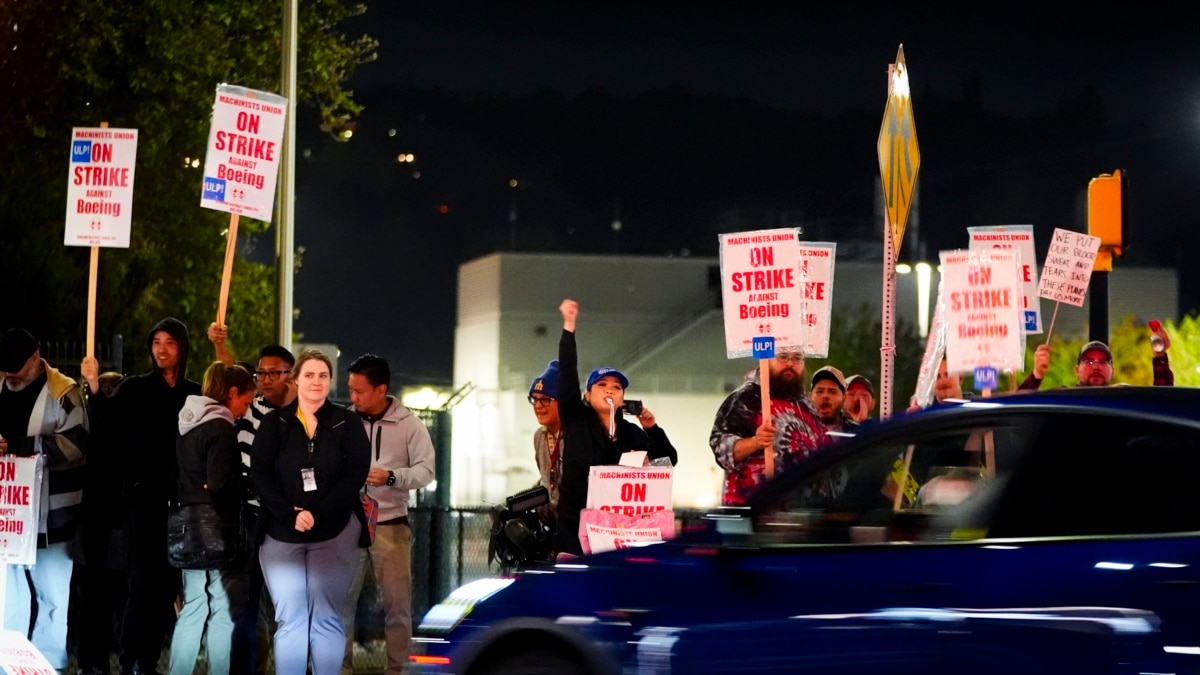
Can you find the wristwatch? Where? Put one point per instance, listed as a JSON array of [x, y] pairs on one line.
[[391, 478]]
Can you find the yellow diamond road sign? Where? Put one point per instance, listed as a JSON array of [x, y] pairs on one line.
[[899, 157]]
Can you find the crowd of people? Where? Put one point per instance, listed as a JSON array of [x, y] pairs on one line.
[[322, 490]]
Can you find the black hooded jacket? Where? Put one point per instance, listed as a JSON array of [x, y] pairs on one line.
[[146, 410]]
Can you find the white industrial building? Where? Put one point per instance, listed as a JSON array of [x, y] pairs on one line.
[[659, 321]]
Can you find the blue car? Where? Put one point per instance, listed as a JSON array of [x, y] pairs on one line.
[[1053, 532]]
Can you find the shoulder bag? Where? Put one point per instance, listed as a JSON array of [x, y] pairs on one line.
[[199, 538]]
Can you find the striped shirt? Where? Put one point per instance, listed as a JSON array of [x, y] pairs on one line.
[[247, 427]]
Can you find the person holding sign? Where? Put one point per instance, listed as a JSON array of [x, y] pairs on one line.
[[147, 408], [1095, 368], [740, 435], [42, 412], [594, 430], [210, 473]]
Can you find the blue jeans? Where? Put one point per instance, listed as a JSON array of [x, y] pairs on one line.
[[212, 601], [51, 579], [309, 583]]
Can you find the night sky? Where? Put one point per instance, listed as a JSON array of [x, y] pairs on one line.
[[379, 263]]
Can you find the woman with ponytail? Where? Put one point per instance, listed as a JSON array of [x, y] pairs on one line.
[[210, 473]]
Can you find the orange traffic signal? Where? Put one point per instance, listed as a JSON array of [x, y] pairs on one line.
[[1106, 210]]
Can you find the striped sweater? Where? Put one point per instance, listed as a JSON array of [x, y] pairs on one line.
[[58, 427]]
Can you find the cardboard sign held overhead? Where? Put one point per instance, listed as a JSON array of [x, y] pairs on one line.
[[761, 289], [244, 146], [1069, 264], [1018, 238], [100, 187], [816, 277], [983, 310]]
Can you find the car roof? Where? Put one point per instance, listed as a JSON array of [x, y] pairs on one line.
[[1179, 405]]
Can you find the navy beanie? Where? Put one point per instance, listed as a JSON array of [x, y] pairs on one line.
[[546, 384]]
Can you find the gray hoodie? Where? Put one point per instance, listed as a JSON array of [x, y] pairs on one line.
[[200, 409]]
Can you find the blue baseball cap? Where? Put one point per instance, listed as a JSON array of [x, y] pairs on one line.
[[607, 371]]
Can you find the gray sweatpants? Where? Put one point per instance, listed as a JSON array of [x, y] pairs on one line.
[[309, 584]]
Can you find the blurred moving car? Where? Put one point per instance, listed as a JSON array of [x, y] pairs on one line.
[[1033, 533]]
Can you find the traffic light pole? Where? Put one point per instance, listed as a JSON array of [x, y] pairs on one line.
[[1098, 307]]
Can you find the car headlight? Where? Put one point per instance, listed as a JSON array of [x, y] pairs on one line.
[[444, 616]]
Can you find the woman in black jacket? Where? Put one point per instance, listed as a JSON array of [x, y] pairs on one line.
[[309, 460], [594, 431], [210, 473]]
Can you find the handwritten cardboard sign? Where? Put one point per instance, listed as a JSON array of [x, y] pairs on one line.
[[1068, 269]]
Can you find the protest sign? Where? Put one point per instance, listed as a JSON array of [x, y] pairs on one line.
[[601, 531], [629, 491], [1020, 239], [100, 187], [20, 496], [761, 289], [983, 312], [18, 656], [1068, 269], [242, 162], [816, 275]]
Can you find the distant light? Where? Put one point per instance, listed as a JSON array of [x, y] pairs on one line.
[[421, 399], [416, 175], [195, 163], [391, 132], [1113, 566], [347, 135], [1170, 566], [924, 286], [443, 209], [409, 158], [903, 268], [1181, 650], [512, 183]]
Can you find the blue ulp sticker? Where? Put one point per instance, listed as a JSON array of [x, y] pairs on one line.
[[214, 189], [1030, 320], [985, 378], [763, 347], [81, 152]]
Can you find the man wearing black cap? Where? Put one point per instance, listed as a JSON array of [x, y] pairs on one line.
[[146, 407], [860, 398], [1095, 366], [827, 391], [42, 413]]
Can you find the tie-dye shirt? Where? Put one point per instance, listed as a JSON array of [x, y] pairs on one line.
[[798, 434]]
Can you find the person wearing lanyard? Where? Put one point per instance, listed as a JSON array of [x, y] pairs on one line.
[[547, 440], [310, 459]]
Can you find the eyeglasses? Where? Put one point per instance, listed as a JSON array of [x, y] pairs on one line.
[[790, 357], [540, 401], [1092, 363], [270, 374]]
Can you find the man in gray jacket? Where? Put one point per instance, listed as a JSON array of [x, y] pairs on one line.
[[42, 413], [401, 460]]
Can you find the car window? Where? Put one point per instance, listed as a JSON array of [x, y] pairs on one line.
[[1100, 474], [945, 474]]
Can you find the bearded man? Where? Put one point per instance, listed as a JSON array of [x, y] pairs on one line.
[[740, 436]]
